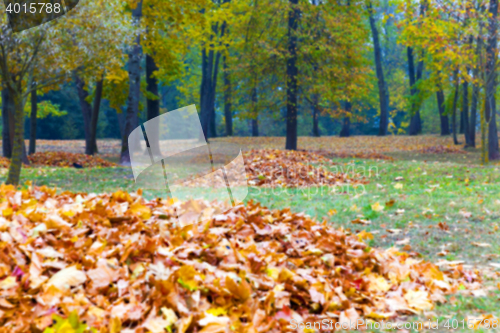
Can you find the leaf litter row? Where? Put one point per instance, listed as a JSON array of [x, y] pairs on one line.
[[442, 150], [121, 263], [350, 145], [62, 159], [353, 144]]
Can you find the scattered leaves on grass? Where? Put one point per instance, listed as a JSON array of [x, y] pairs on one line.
[[121, 261], [484, 321], [444, 226], [478, 244], [377, 207], [361, 221]]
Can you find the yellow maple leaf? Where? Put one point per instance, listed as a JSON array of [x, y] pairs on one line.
[[378, 283], [217, 311], [365, 235], [418, 300], [169, 315], [141, 210], [377, 207], [7, 212]]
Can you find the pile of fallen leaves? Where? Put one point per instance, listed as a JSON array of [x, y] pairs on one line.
[[120, 263], [288, 168], [62, 159], [292, 156], [360, 155], [4, 162], [442, 150]]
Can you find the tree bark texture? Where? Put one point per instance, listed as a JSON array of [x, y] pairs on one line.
[[382, 87], [152, 104], [491, 82], [445, 122], [465, 113], [86, 109], [228, 115], [454, 109], [134, 73], [255, 119], [95, 117], [291, 74], [209, 71], [473, 114], [34, 110], [315, 116], [6, 142], [346, 122], [18, 147], [415, 120]]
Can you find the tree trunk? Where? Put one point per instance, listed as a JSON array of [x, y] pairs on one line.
[[411, 74], [228, 115], [465, 121], [210, 68], [491, 83], [153, 104], [134, 74], [213, 90], [415, 120], [86, 110], [255, 127], [445, 123], [465, 112], [152, 87], [121, 122], [206, 74], [209, 72], [10, 125], [6, 142], [473, 114], [462, 121], [291, 74], [475, 96], [484, 136], [18, 148], [95, 117], [382, 88], [315, 114], [454, 109], [420, 71], [346, 123], [34, 110], [255, 119], [212, 130]]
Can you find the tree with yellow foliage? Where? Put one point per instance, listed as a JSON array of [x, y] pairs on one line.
[[86, 38]]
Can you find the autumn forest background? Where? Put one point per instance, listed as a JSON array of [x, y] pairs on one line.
[[261, 68], [369, 135]]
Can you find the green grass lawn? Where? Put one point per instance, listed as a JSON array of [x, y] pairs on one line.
[[439, 209]]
